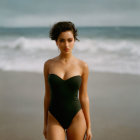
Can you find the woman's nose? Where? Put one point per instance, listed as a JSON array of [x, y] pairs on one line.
[[66, 44]]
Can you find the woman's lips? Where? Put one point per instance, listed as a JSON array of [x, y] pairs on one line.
[[66, 50]]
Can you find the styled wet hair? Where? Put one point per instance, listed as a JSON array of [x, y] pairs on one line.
[[62, 26]]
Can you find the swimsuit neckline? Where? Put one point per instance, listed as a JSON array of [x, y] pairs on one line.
[[65, 79]]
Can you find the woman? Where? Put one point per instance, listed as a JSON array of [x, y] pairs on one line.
[[64, 75]]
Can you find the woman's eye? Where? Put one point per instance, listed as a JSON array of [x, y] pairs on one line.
[[70, 40], [61, 40]]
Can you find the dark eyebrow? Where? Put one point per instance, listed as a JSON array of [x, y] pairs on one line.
[[61, 38]]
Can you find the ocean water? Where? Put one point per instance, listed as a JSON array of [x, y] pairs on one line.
[[105, 49]]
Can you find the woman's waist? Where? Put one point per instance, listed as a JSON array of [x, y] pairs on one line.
[[65, 105]]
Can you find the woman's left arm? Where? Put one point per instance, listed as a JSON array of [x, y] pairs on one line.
[[83, 96]]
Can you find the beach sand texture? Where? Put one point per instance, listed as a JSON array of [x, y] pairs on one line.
[[114, 106]]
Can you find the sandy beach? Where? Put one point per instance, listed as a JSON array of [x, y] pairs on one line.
[[114, 106]]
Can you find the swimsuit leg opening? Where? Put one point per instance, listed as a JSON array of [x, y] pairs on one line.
[[74, 116], [56, 119]]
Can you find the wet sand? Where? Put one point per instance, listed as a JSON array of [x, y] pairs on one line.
[[114, 106]]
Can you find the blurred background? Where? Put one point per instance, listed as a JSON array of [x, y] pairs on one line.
[[109, 34]]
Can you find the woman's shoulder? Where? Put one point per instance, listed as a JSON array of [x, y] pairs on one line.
[[82, 64], [49, 61]]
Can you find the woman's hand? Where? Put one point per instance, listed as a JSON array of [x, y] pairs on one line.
[[45, 132], [88, 134]]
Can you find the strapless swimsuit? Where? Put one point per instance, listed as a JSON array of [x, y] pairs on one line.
[[64, 102]]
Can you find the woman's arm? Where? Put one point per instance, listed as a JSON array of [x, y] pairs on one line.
[[47, 93], [83, 95]]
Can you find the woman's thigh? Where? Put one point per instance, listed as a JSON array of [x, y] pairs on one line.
[[77, 129], [54, 130]]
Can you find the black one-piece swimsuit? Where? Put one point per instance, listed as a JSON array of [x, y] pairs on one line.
[[64, 103]]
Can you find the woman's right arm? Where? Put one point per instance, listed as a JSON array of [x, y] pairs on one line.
[[47, 93]]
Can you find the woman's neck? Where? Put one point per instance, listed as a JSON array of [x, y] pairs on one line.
[[65, 58]]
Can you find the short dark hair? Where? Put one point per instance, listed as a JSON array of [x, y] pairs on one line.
[[62, 26]]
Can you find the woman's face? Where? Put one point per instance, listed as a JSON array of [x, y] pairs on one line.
[[65, 41]]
